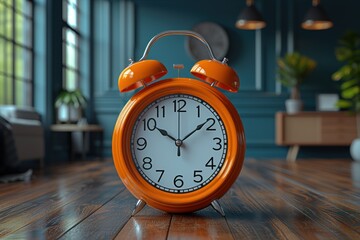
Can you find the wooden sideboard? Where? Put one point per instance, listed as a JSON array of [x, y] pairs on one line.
[[314, 129]]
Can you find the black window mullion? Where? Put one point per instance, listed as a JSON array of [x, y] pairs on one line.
[[32, 53], [5, 49], [13, 54], [71, 28]]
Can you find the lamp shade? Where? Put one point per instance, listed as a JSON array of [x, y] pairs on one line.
[[250, 18], [316, 18]]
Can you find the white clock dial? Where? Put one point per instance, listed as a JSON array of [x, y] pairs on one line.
[[179, 143]]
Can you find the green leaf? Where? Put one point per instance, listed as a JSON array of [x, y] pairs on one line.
[[351, 92], [74, 98], [294, 68], [343, 53], [344, 104], [344, 72], [349, 83]]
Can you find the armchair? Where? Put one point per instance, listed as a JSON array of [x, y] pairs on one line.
[[27, 130]]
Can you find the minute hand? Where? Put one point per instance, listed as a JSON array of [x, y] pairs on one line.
[[198, 127]]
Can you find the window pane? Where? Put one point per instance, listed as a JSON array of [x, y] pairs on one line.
[[2, 56], [23, 6], [23, 64], [70, 83], [9, 58], [28, 32], [71, 16], [2, 89], [2, 19], [71, 37], [8, 22], [20, 92], [8, 2], [8, 90], [23, 92], [74, 2], [23, 31], [19, 28], [71, 56]]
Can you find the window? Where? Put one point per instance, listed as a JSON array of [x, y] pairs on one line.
[[16, 52], [71, 39]]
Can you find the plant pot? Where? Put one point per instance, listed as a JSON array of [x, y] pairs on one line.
[[293, 106], [355, 149], [68, 114]]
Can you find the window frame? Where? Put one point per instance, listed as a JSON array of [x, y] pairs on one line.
[[78, 38], [11, 77]]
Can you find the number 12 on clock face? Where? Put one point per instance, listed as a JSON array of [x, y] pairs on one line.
[[179, 143]]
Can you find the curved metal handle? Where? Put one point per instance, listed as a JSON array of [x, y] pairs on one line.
[[177, 32]]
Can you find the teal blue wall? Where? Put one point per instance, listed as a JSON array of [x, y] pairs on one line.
[[252, 54], [115, 30]]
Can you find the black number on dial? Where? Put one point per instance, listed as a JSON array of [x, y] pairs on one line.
[[142, 143], [197, 176], [179, 105], [218, 143], [149, 124], [212, 123], [160, 111], [210, 163], [178, 182], [161, 174], [147, 165]]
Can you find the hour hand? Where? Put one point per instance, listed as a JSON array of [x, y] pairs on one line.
[[165, 133]]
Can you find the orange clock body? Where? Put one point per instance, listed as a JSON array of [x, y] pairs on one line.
[[178, 202]]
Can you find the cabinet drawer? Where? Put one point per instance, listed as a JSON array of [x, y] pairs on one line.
[[304, 130], [338, 129], [338, 121], [338, 138], [315, 128]]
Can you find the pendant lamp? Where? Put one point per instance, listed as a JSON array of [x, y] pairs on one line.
[[316, 18], [250, 18]]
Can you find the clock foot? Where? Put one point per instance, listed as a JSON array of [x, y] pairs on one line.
[[216, 205], [138, 207]]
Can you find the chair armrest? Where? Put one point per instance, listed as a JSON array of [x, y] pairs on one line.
[[13, 112]]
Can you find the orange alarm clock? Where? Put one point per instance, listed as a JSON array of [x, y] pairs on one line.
[[178, 144]]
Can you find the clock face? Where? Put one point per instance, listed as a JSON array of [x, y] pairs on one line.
[[179, 143]]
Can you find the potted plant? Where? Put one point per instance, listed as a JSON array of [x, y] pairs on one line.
[[293, 69], [69, 105], [348, 52]]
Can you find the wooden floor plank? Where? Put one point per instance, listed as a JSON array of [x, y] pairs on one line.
[[312, 199], [204, 224], [309, 203], [65, 171], [57, 221], [336, 194], [61, 209], [106, 221], [254, 211], [147, 224], [48, 185]]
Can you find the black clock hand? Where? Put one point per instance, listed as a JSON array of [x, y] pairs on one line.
[[178, 143], [198, 127], [165, 133]]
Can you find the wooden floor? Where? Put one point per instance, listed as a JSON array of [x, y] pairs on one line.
[[310, 199]]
